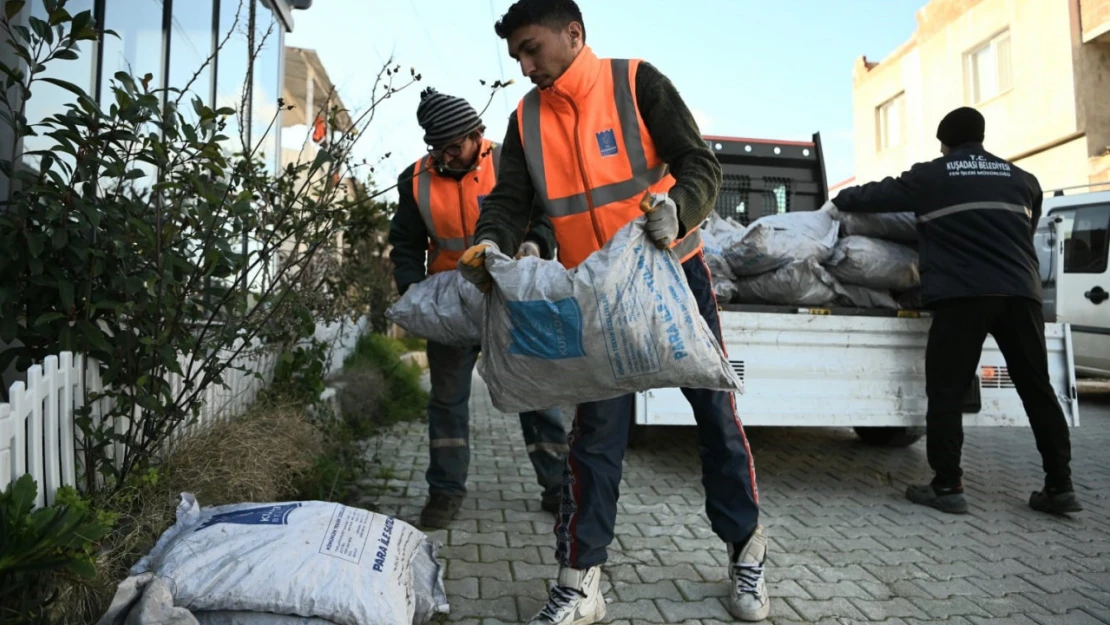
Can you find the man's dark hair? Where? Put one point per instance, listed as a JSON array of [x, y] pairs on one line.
[[554, 14]]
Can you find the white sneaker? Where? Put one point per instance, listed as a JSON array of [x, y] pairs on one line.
[[575, 599], [748, 600]]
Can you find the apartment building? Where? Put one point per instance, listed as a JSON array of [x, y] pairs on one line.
[[1038, 70]]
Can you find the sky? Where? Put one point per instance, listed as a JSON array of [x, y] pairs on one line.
[[775, 69]]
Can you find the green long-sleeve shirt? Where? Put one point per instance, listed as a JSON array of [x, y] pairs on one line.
[[509, 207]]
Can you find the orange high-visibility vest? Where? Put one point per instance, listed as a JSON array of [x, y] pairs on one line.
[[590, 156], [450, 207]]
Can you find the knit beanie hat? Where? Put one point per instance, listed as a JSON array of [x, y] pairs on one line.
[[445, 117], [963, 125]]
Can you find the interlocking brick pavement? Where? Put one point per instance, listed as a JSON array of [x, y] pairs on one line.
[[845, 546]]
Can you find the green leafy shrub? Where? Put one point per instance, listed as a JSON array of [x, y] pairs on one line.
[[36, 544]]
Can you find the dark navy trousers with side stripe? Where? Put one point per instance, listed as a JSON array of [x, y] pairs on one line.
[[598, 441]]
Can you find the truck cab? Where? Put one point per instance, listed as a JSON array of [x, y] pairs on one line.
[[1074, 247], [762, 177]]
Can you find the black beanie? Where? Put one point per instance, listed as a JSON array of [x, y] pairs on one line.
[[963, 125], [445, 117]]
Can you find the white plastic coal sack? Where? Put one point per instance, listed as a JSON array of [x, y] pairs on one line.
[[875, 263], [443, 308], [778, 240], [800, 283], [901, 227], [863, 297], [717, 236], [623, 321], [245, 563]]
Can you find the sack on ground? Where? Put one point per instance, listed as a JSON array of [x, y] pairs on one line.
[[875, 263], [778, 240], [621, 322], [254, 618], [444, 308], [800, 283], [863, 297], [900, 227], [308, 559]]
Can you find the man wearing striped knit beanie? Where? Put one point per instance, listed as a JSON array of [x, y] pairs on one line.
[[440, 197]]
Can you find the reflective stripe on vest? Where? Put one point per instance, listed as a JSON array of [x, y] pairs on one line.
[[445, 251], [614, 203], [642, 176]]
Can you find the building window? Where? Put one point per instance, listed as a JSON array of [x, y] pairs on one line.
[[988, 69], [891, 121], [191, 44], [266, 89], [138, 51], [48, 100], [138, 48], [231, 70]]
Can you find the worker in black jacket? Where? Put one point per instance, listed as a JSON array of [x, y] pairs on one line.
[[976, 215]]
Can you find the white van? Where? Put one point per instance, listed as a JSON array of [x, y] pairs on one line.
[[1074, 246]]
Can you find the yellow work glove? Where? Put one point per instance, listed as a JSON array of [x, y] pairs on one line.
[[472, 265]]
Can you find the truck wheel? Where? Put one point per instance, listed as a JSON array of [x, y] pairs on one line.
[[890, 436]]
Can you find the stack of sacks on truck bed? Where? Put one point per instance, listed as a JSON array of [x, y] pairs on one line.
[[877, 260], [776, 260], [815, 258]]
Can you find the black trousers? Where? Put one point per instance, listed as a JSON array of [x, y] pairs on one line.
[[591, 483], [955, 344]]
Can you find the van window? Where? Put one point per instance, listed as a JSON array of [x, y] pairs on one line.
[[1087, 243]]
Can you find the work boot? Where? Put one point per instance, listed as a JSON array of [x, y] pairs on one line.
[[748, 599], [551, 499], [574, 600], [440, 510], [1055, 500], [950, 500]]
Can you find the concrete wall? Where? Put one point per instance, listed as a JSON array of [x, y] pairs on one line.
[[1044, 106], [1092, 96], [1059, 167]]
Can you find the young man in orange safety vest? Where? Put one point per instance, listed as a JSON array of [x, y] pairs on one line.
[[439, 200], [591, 138]]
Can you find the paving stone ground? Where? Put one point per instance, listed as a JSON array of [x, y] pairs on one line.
[[845, 546]]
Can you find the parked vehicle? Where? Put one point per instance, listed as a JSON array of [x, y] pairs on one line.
[[865, 369], [1073, 245]]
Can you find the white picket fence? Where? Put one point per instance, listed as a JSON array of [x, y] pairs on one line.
[[37, 430]]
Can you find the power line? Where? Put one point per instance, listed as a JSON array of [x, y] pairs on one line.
[[497, 53]]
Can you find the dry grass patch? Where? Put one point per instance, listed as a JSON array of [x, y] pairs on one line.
[[259, 457]]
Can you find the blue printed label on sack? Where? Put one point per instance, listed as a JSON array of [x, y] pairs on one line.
[[268, 515], [547, 330], [607, 142]]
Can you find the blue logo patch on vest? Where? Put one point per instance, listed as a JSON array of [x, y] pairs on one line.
[[481, 198], [607, 142], [547, 330], [267, 515]]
